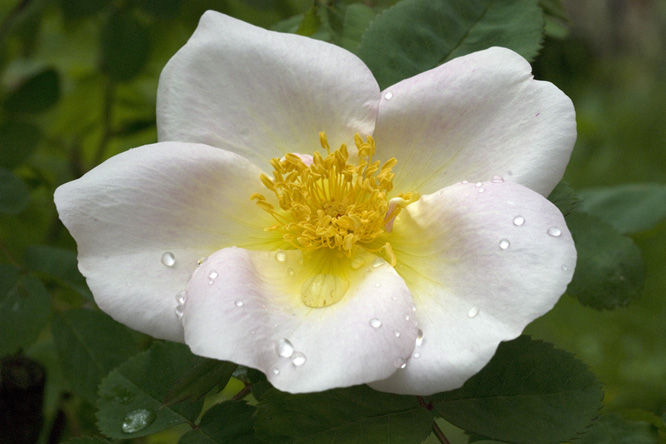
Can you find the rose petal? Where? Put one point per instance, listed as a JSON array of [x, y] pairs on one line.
[[186, 199], [263, 93], [480, 265], [472, 118], [241, 304]]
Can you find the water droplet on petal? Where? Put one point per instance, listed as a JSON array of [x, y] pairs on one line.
[[276, 371], [201, 260], [137, 420], [554, 232], [481, 190], [465, 182], [518, 221], [479, 184], [497, 179], [396, 333], [377, 285], [280, 256], [504, 244], [300, 260], [416, 355], [399, 363], [284, 348], [565, 268], [321, 290], [378, 262], [181, 297], [298, 359], [419, 337], [406, 316], [290, 271], [213, 275], [169, 259], [357, 263], [473, 312], [375, 323], [414, 307], [388, 95], [179, 310], [238, 303]]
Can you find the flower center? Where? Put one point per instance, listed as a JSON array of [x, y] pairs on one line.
[[327, 203]]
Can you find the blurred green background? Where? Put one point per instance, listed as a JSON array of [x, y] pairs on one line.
[[78, 82], [612, 66]]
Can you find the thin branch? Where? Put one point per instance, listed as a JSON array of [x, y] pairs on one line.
[[435, 428], [243, 393], [439, 434]]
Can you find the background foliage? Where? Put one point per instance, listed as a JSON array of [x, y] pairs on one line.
[[78, 80]]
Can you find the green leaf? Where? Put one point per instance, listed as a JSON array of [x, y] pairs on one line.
[[331, 14], [513, 24], [229, 422], [564, 198], [24, 307], [613, 429], [200, 379], [416, 35], [609, 271], [530, 392], [310, 23], [17, 142], [59, 264], [38, 93], [557, 19], [14, 194], [90, 344], [346, 24], [344, 416], [125, 47], [356, 20], [131, 397], [629, 208]]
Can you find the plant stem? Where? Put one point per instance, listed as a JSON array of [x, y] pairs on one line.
[[435, 428], [243, 393], [439, 434]]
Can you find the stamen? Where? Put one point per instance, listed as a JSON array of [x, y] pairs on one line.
[[330, 204]]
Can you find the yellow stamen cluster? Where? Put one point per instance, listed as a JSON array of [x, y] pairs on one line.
[[330, 203]]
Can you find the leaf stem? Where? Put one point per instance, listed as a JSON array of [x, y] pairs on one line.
[[243, 393], [439, 434], [435, 428]]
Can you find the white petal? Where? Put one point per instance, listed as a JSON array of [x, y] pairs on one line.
[[241, 304], [472, 118], [186, 199], [480, 266], [263, 93]]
